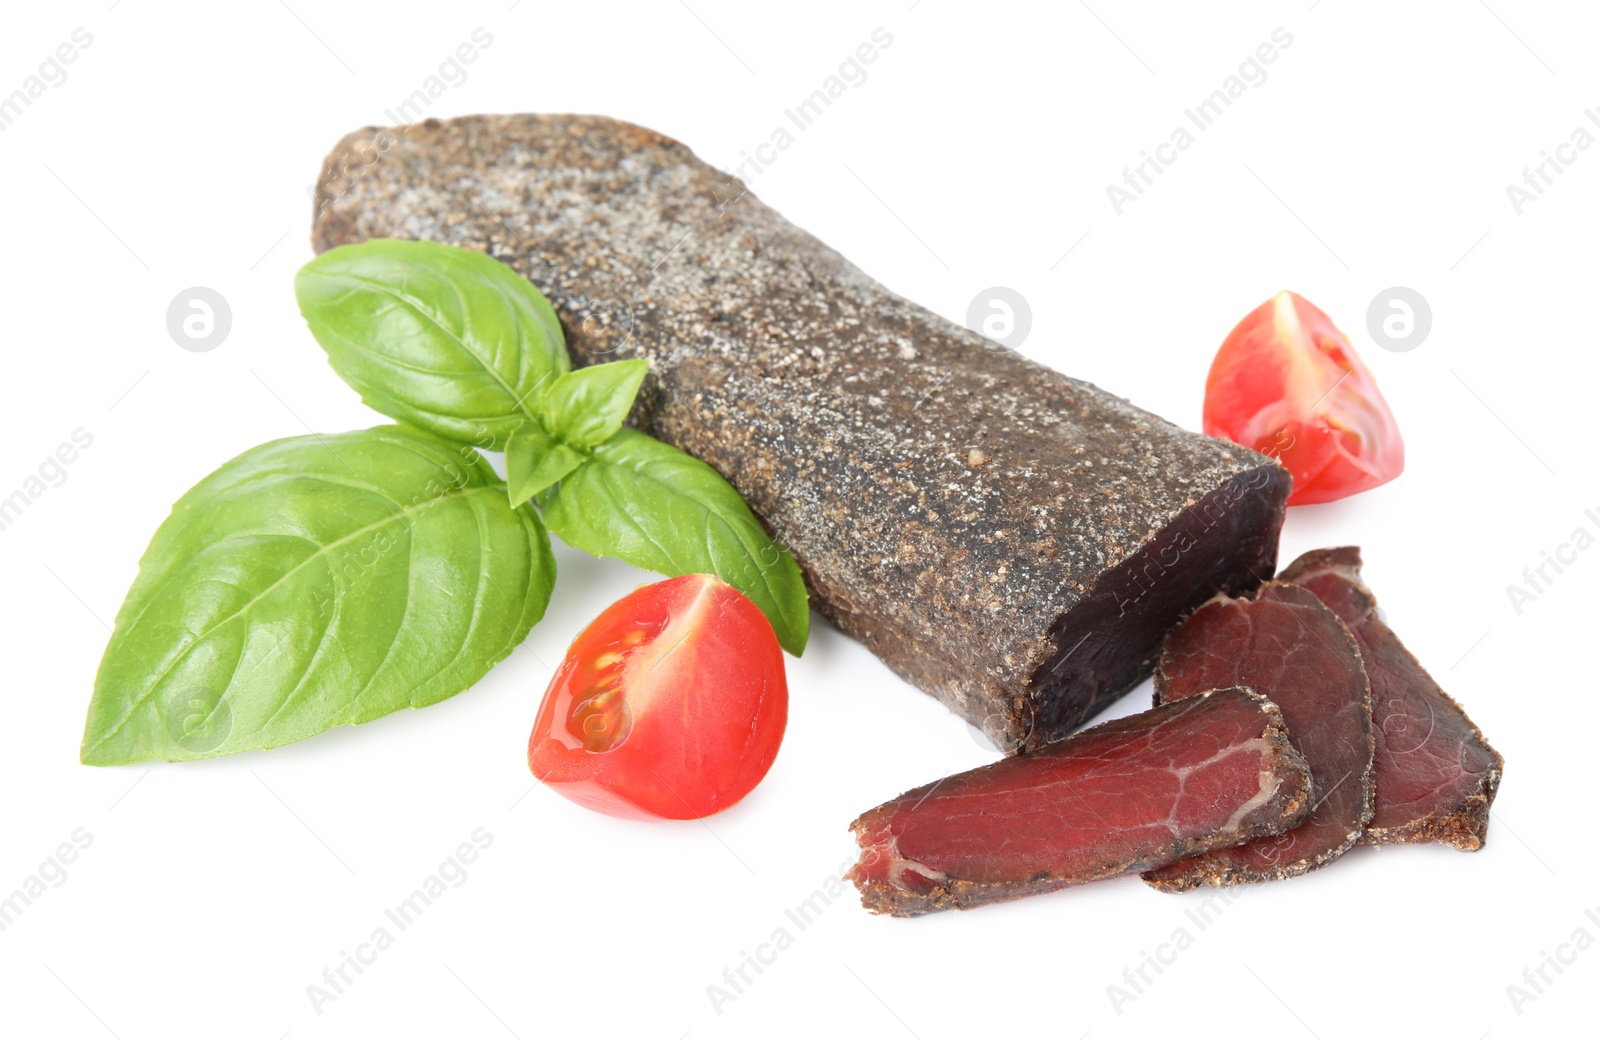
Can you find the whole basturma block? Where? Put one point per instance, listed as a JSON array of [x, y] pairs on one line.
[[1434, 774], [1130, 794], [1286, 645], [1008, 539]]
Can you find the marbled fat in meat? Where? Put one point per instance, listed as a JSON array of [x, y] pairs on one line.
[[1122, 797], [1286, 645]]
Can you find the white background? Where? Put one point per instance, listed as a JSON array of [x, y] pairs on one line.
[[976, 153]]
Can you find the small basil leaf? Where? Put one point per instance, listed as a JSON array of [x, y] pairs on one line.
[[655, 507], [316, 582], [443, 338], [535, 460], [586, 407]]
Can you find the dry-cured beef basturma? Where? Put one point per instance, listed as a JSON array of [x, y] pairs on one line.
[[1196, 774], [1287, 646], [1434, 774], [1012, 541]]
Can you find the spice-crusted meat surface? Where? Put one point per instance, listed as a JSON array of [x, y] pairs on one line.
[[1008, 539], [1287, 646], [1127, 795], [1434, 774]]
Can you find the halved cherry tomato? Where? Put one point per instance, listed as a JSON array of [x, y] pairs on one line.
[[671, 704], [1288, 384]]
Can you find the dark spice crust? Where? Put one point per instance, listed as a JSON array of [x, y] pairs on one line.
[[949, 501]]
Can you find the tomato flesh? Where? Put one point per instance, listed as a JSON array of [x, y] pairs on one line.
[[1287, 383], [671, 704]]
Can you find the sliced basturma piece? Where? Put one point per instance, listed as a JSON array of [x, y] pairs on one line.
[[1012, 541], [1287, 646], [1127, 795], [1435, 776]]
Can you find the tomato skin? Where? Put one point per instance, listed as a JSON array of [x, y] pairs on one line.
[[670, 705], [1287, 383]]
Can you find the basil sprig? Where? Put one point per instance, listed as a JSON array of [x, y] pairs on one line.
[[321, 581]]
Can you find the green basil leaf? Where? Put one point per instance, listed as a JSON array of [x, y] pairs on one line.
[[315, 582], [655, 507], [443, 338], [584, 408], [535, 460]]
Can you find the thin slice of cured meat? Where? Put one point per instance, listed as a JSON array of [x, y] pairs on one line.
[[1435, 774], [1122, 797], [1287, 646]]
